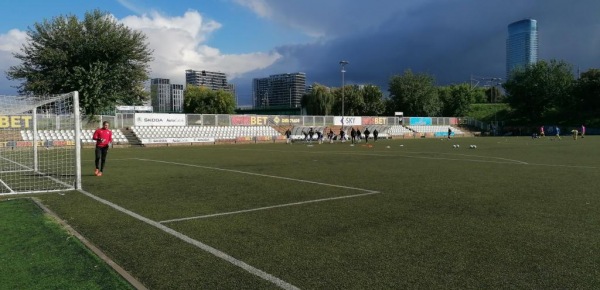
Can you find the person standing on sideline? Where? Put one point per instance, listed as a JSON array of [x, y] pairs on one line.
[[288, 136], [542, 134], [358, 135], [367, 135], [342, 135], [449, 132], [103, 137], [375, 133], [582, 131], [557, 130], [352, 135]]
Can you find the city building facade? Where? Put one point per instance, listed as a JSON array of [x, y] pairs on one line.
[[166, 97], [521, 44], [212, 80], [280, 90]]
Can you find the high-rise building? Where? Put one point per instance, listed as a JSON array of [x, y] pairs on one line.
[[281, 90], [521, 44], [212, 80], [166, 97], [209, 79]]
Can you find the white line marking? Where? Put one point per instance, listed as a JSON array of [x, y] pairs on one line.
[[250, 269], [267, 207], [67, 186], [256, 174], [404, 154], [508, 161]]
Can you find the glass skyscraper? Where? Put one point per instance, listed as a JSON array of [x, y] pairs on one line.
[[521, 44]]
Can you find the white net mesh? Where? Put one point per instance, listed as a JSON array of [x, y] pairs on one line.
[[39, 147]]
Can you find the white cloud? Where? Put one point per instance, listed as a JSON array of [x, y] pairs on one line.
[[131, 6], [260, 7], [9, 43], [179, 44]]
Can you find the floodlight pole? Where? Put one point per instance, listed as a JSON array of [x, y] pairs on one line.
[[342, 64]]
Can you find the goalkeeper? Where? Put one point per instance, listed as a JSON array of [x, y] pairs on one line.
[[103, 137]]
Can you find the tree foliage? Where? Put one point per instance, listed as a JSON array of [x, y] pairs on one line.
[[480, 95], [353, 101], [456, 99], [414, 94], [319, 101], [540, 90], [105, 61], [373, 100], [587, 91], [358, 101], [202, 100]]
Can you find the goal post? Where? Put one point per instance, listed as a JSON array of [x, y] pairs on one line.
[[40, 148]]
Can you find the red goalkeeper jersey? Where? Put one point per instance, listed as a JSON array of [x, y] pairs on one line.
[[103, 137]]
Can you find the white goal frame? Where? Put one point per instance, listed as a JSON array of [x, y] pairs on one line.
[[40, 143]]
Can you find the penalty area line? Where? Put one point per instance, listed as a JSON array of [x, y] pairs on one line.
[[256, 174], [267, 207], [219, 254]]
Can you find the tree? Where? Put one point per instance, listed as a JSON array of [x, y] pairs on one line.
[[414, 94], [352, 100], [540, 90], [319, 101], [105, 61], [479, 95], [587, 91], [202, 100], [456, 99], [373, 100], [494, 95]]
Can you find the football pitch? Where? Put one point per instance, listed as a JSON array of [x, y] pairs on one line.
[[515, 212]]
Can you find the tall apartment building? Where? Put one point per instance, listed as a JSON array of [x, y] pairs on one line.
[[521, 44], [281, 90], [212, 80], [209, 79], [166, 97]]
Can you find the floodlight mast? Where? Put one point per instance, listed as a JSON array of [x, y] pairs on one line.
[[343, 63]]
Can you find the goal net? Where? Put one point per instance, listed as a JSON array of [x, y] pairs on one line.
[[39, 143]]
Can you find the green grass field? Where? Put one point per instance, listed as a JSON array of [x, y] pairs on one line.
[[36, 253], [514, 213]]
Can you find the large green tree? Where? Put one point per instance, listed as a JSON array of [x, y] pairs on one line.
[[373, 100], [202, 100], [351, 98], [319, 101], [456, 99], [414, 94], [541, 90], [587, 92], [105, 61]]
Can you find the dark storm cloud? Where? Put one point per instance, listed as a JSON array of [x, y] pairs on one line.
[[451, 40]]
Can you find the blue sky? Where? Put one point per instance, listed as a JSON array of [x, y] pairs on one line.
[[449, 39]]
